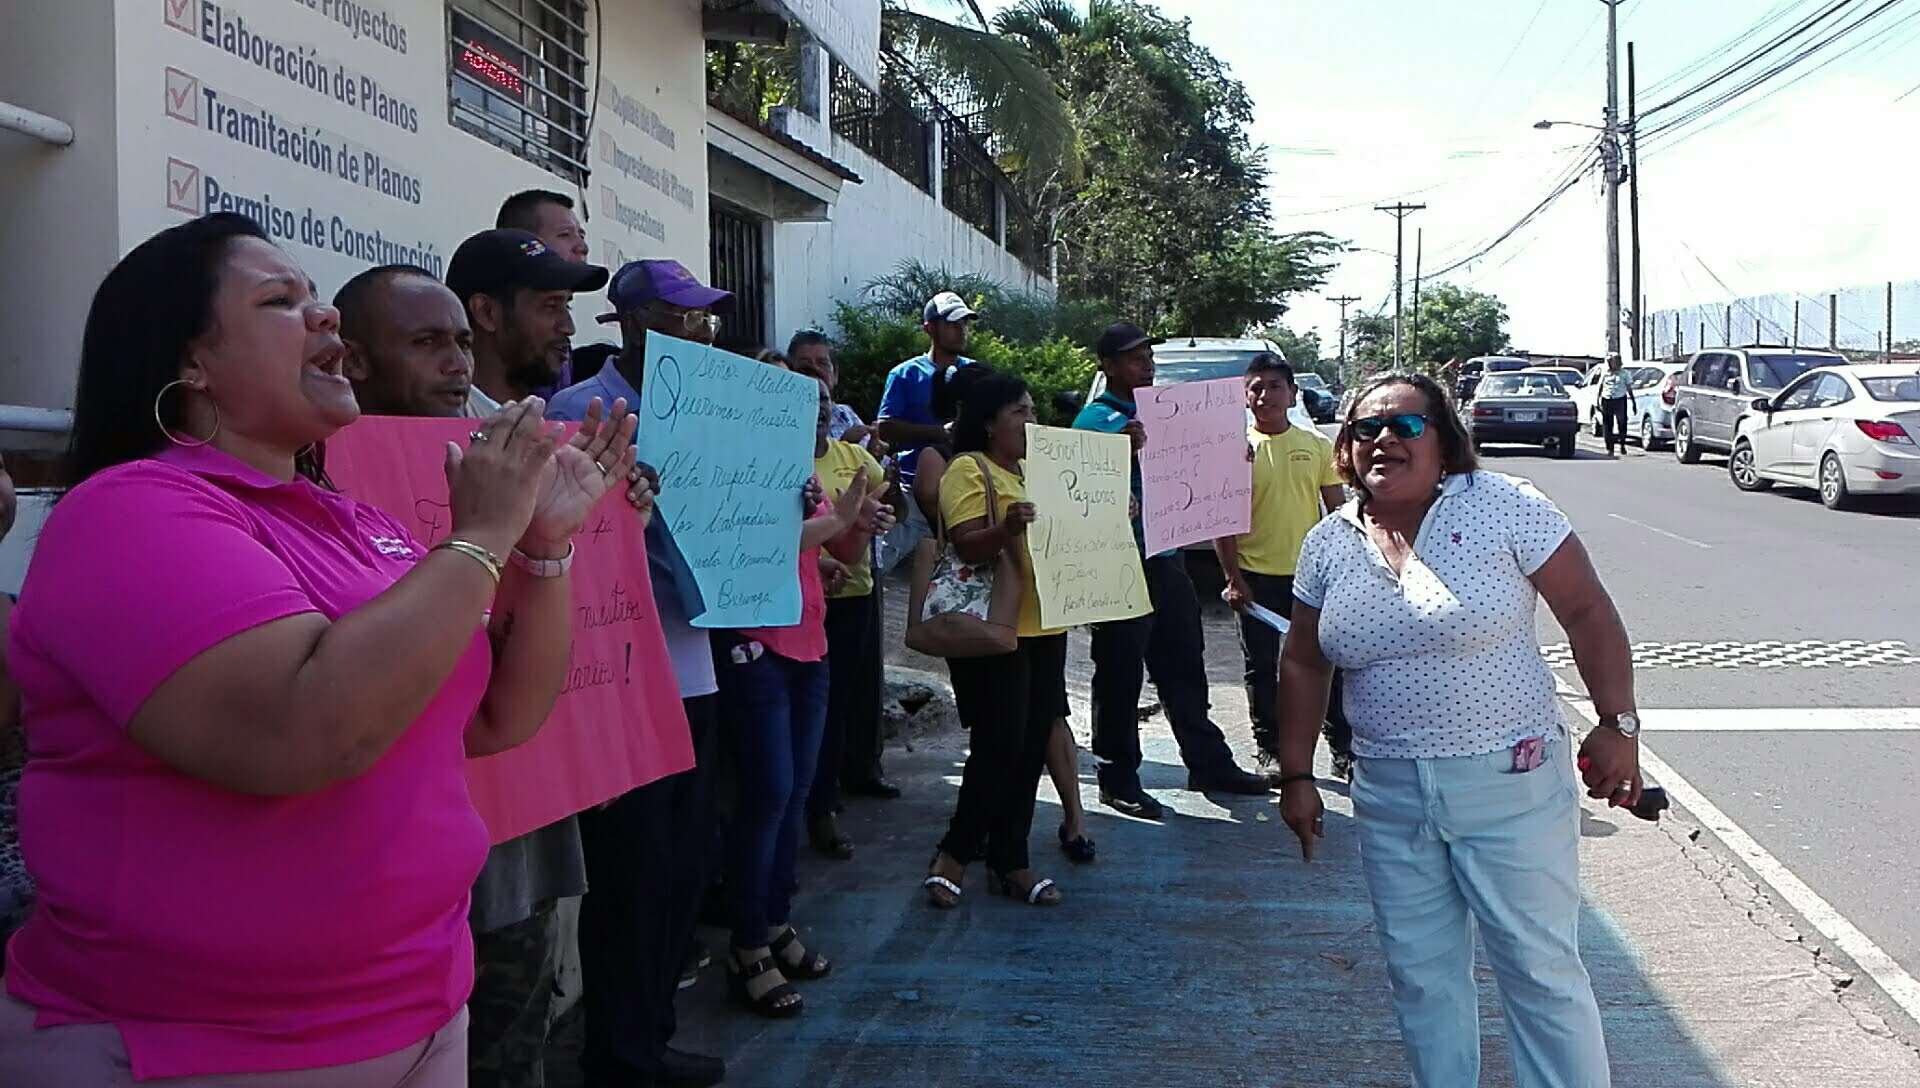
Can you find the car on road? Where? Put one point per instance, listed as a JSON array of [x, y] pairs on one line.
[[1526, 408], [1721, 383], [1476, 369], [1318, 400], [1649, 416], [1845, 431], [1570, 377]]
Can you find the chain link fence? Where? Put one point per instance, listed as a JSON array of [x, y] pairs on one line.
[[1856, 320]]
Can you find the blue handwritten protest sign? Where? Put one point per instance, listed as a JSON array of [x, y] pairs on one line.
[[733, 441]]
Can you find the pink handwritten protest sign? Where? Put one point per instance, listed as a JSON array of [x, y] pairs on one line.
[[618, 723], [1195, 481]]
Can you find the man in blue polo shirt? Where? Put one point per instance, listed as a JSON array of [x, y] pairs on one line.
[[1166, 644], [907, 422]]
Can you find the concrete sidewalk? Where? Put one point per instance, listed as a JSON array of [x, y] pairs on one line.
[[1202, 951]]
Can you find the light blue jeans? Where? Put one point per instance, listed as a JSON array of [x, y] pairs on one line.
[[1446, 843]]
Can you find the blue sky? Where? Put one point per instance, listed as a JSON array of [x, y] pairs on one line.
[[1367, 101]]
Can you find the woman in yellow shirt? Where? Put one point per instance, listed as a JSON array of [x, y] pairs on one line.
[[1009, 702]]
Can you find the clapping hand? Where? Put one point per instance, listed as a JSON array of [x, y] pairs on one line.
[[643, 489], [581, 472]]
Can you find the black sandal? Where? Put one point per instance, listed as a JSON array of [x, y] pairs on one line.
[[941, 892], [1043, 892], [1078, 850], [811, 965], [768, 1004]]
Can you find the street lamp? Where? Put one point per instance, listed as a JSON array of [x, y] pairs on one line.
[[1545, 125]]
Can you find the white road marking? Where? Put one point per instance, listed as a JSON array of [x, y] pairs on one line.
[[1662, 532], [1785, 720], [1831, 924]]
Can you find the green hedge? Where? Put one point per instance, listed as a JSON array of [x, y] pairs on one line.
[[872, 341]]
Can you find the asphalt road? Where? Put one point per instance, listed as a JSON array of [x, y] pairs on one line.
[[1792, 621]]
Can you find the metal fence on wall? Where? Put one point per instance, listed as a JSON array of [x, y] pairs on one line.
[[1855, 319], [885, 124]]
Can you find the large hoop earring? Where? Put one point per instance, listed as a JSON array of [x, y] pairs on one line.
[[161, 423]]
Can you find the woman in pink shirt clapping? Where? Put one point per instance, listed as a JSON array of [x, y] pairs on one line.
[[247, 698]]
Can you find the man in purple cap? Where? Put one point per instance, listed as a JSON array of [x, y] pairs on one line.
[[519, 297], [646, 852]]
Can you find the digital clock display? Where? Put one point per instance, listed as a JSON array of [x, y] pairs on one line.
[[492, 69]]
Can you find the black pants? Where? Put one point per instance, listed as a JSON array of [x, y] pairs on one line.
[[1260, 650], [850, 747], [1168, 646], [1008, 704], [1613, 414], [647, 862]]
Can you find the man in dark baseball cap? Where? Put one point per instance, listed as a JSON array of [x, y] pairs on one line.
[[518, 294], [1168, 644]]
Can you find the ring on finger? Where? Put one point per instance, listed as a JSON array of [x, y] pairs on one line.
[[1624, 787], [477, 436]]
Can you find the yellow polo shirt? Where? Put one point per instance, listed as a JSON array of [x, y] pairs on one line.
[[837, 469], [963, 498], [1289, 469]]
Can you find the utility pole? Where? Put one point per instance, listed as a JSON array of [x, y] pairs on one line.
[[1399, 210], [1343, 301], [1419, 239], [1833, 322], [1610, 154], [1633, 198]]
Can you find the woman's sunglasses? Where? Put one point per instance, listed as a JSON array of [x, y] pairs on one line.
[[1404, 427]]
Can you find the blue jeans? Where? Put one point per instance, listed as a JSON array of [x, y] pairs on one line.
[[1446, 843], [772, 714]]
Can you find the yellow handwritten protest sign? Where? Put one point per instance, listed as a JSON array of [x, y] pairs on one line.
[[1085, 562]]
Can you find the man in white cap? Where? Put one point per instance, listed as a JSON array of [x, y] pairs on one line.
[[907, 422]]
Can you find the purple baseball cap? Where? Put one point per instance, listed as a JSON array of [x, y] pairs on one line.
[[640, 282]]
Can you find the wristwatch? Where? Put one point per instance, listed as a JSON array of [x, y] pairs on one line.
[[1627, 724]]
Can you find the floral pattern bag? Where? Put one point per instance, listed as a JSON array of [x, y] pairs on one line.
[[961, 609]]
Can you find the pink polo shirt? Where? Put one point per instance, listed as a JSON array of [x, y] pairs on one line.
[[221, 932], [806, 641]]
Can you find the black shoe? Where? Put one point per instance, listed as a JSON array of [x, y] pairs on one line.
[[1138, 803], [679, 1069], [871, 787], [699, 956], [1231, 781]]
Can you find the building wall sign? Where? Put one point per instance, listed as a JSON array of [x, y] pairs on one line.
[[847, 29], [328, 121]]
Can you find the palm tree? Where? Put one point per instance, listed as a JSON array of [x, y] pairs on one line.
[[1018, 100]]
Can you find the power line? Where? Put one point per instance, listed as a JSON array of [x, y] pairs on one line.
[[1694, 113], [1572, 178]]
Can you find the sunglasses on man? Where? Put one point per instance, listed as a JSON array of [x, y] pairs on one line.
[[1404, 427]]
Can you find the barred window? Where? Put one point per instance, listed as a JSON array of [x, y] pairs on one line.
[[516, 77]]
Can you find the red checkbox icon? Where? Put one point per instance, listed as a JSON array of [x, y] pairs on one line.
[[183, 97], [180, 15], [183, 187]]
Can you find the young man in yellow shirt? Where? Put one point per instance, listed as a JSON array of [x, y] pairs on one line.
[[1294, 483]]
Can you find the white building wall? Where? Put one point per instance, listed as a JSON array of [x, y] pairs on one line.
[[145, 84], [876, 225]]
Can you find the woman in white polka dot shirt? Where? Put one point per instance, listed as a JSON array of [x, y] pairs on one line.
[[1423, 590]]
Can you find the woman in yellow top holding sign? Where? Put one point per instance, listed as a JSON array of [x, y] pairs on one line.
[[1009, 702]]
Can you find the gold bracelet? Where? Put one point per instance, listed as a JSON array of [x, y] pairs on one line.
[[475, 552]]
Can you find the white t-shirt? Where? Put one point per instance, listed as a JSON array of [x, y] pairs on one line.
[[1441, 661]]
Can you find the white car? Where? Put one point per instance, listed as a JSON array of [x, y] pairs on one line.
[[1649, 417], [1847, 431], [1204, 358]]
